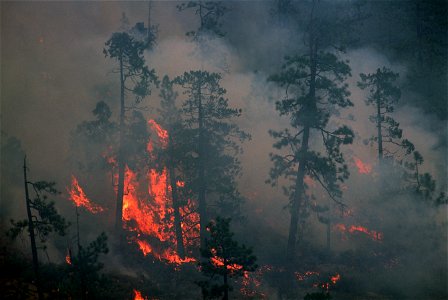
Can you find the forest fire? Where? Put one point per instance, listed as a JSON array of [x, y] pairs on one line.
[[78, 196], [149, 212], [375, 235], [363, 168]]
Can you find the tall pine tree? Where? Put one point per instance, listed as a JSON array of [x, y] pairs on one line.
[[314, 90]]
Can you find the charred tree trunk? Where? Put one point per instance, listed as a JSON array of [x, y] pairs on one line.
[[174, 194], [201, 172], [121, 163], [31, 231], [329, 235]]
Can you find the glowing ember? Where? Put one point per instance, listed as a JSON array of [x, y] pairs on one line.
[[138, 295], [252, 282], [78, 196], [363, 168], [335, 278], [180, 183], [68, 258], [378, 236], [306, 275]]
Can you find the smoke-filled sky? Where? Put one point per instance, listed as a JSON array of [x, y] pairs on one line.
[[52, 61]]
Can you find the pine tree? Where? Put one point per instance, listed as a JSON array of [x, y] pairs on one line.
[[42, 219], [210, 14], [314, 90], [135, 77], [225, 258], [383, 95], [214, 138], [86, 266], [92, 139]]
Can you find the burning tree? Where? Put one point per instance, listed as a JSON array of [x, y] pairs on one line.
[[170, 118], [225, 258], [314, 90], [42, 219], [384, 94], [135, 77], [213, 143]]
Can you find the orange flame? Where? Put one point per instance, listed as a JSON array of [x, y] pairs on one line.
[[375, 235], [363, 168], [150, 212], [161, 133], [219, 262], [78, 196], [68, 258], [147, 206], [138, 295]]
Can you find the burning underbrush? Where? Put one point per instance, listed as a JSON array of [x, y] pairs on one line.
[[148, 213]]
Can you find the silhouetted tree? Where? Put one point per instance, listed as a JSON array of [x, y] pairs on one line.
[[423, 184], [213, 137], [92, 139], [86, 266], [42, 218], [225, 258], [210, 14], [135, 77], [314, 90], [383, 95]]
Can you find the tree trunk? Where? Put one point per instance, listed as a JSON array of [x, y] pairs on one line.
[[31, 231], [201, 173], [329, 235], [177, 219], [299, 187], [121, 163], [298, 194], [380, 135]]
